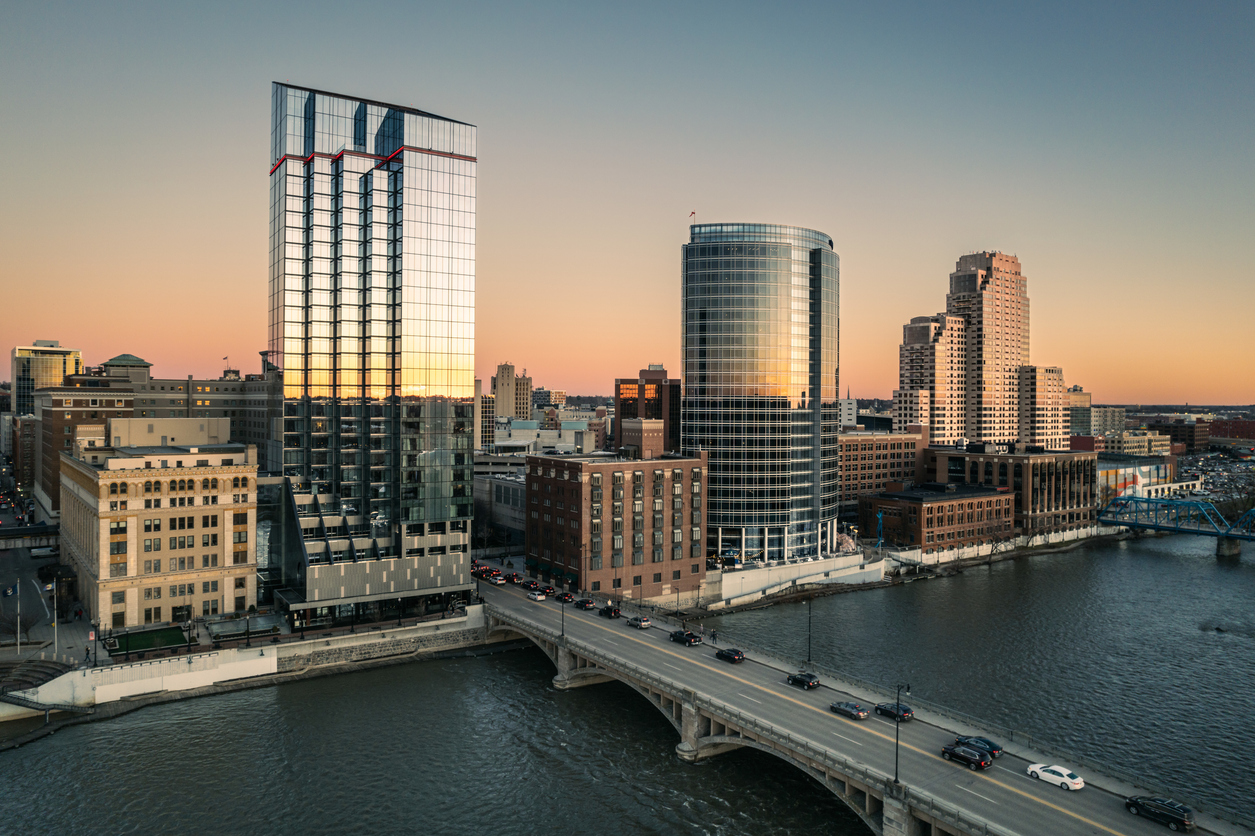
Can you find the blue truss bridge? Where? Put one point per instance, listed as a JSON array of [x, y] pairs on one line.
[[1180, 516]]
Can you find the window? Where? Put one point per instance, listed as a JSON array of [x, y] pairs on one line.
[[117, 527], [675, 575], [657, 577], [240, 583], [240, 519], [597, 584], [118, 597], [694, 569], [239, 557], [118, 547]]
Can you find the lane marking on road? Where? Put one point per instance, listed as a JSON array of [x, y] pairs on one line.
[[886, 737], [978, 795], [1014, 772], [843, 737], [39, 593], [751, 699], [673, 667]]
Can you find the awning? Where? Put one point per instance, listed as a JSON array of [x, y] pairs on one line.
[[531, 561], [571, 576]]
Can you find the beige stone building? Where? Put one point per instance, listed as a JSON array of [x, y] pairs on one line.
[[513, 393], [967, 370], [159, 532], [1138, 443]]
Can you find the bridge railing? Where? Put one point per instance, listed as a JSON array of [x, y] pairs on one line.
[[804, 749], [1008, 734]]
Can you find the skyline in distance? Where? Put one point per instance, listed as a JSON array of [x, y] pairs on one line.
[[1101, 148]]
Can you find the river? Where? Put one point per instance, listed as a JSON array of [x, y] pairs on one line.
[[1110, 650]]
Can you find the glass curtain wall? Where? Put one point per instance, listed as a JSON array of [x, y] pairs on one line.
[[761, 383], [372, 301]]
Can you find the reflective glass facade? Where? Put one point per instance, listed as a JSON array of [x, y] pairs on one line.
[[372, 325], [761, 382], [38, 366]]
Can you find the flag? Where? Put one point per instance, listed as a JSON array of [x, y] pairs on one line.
[[48, 587], [691, 214], [224, 358], [10, 591]]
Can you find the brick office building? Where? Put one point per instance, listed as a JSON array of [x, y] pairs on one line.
[[870, 461], [1196, 436], [627, 528], [1053, 490], [936, 517], [651, 396]]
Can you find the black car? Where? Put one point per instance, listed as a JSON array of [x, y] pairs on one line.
[[686, 638], [564, 597], [586, 604], [853, 710], [549, 591], [730, 654], [610, 611], [803, 680], [531, 586], [982, 743], [974, 758], [896, 710], [1164, 810]]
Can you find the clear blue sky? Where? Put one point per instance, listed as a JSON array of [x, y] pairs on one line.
[[1108, 145]]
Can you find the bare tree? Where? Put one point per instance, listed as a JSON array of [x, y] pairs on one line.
[[9, 624]]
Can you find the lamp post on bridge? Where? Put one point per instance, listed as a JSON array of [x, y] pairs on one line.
[[809, 613], [897, 727]]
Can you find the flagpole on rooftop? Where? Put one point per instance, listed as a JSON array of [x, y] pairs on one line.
[[56, 645]]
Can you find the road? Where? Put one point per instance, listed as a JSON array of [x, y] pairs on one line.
[[1003, 795]]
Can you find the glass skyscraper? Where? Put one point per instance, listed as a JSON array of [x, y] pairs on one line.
[[36, 366], [372, 326], [760, 385]]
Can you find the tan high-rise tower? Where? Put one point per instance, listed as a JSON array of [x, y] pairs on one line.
[[966, 372]]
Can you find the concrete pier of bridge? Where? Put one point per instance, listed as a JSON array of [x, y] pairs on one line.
[[1228, 547]]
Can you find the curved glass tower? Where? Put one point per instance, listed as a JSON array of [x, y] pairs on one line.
[[760, 384]]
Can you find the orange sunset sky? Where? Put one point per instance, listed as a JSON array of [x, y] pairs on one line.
[[1112, 154]]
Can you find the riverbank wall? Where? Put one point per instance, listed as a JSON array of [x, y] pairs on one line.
[[93, 689]]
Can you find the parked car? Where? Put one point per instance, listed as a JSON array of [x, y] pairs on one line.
[[803, 680], [982, 743], [730, 654], [610, 611], [686, 637], [640, 622], [853, 710], [536, 596], [530, 585], [586, 604], [899, 712], [973, 757], [1055, 774], [1164, 810], [564, 597]]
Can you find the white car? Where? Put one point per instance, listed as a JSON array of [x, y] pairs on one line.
[[536, 596], [497, 579], [1060, 775]]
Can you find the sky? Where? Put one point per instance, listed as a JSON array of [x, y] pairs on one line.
[[1108, 145]]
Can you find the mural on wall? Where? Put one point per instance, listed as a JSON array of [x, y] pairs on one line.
[[1130, 480]]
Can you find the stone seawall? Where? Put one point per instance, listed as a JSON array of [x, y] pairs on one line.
[[376, 646]]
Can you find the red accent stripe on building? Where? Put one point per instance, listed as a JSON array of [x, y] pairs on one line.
[[372, 156]]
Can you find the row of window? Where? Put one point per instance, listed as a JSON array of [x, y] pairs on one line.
[[617, 583], [186, 542], [183, 564]]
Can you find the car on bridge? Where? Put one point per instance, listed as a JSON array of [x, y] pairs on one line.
[[730, 654], [610, 611], [899, 712], [514, 577], [853, 710], [536, 596], [530, 585], [564, 597], [1163, 810], [803, 680], [640, 622], [496, 579], [1055, 774], [686, 637], [982, 743], [586, 604], [549, 590], [974, 758]]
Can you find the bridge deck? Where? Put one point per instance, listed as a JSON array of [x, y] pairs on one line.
[[1004, 797]]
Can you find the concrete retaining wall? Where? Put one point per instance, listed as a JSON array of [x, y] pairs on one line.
[[748, 585], [96, 686]]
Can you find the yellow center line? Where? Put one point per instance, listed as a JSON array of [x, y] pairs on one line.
[[723, 671]]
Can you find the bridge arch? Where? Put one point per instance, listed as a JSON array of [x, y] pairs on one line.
[[695, 726]]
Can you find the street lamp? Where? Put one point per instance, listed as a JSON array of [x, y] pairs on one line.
[[897, 728], [562, 604]]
